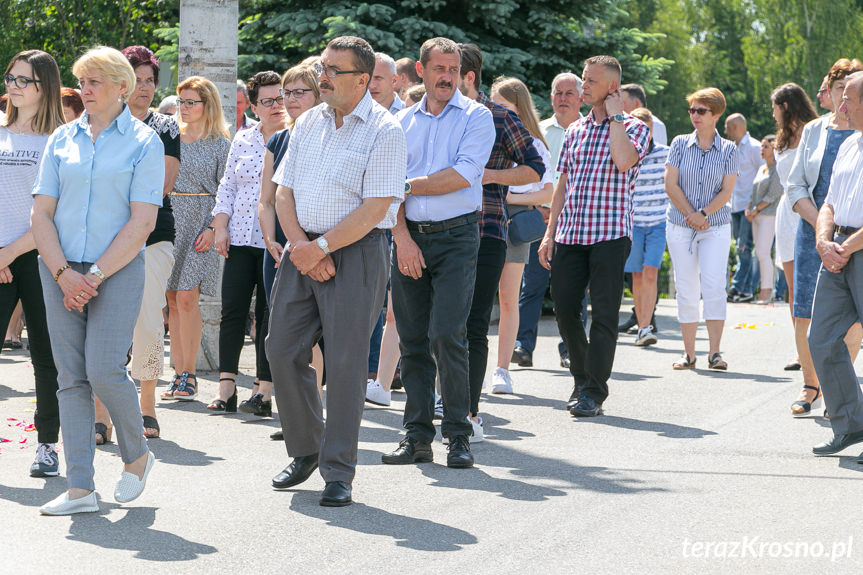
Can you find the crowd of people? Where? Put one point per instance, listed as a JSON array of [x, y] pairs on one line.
[[374, 212]]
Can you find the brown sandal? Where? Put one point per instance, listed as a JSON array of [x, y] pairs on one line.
[[716, 362], [684, 363]]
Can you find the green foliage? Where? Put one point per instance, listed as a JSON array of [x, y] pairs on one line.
[[67, 28]]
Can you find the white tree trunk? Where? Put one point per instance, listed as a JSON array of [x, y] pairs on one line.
[[208, 47]]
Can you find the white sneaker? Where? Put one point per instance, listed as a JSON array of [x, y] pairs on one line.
[[375, 393], [645, 337], [130, 487], [62, 505], [501, 382]]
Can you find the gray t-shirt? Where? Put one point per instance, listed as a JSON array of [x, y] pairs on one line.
[[20, 157]]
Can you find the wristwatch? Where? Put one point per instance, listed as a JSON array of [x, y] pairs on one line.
[[94, 269], [702, 212], [618, 118], [323, 244], [407, 187]]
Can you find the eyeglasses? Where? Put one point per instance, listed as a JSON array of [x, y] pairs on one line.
[[188, 103], [9, 79], [699, 111], [298, 93], [268, 102], [332, 72]]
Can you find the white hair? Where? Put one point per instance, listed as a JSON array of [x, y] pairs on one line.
[[567, 76], [169, 102], [388, 60]]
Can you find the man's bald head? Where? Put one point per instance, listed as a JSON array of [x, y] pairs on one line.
[[735, 127], [852, 101]]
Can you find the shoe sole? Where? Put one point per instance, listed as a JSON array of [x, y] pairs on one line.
[[421, 459], [646, 342], [585, 414], [297, 482], [186, 397], [82, 510], [335, 502], [836, 451], [501, 391], [44, 473], [459, 465], [378, 403]]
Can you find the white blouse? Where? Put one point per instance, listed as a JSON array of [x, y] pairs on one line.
[[240, 188]]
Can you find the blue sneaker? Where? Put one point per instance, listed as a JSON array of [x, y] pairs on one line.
[[46, 464]]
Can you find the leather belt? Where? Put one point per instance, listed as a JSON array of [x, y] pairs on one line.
[[375, 232], [844, 230], [443, 225]]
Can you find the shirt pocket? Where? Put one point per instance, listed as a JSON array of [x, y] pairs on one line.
[[348, 175]]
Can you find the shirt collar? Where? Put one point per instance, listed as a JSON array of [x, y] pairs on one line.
[[458, 100], [592, 119], [745, 139], [122, 121], [362, 110], [693, 140]]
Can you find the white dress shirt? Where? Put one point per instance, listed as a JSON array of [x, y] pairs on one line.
[[240, 188], [846, 184], [749, 161]]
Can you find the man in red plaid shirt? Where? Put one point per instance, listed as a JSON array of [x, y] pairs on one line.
[[588, 236]]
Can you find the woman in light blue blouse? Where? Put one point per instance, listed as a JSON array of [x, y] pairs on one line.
[[95, 202], [699, 177]]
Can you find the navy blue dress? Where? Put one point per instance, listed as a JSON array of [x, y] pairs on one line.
[[807, 262], [278, 145]]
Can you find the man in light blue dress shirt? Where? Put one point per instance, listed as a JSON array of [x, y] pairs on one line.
[[449, 140]]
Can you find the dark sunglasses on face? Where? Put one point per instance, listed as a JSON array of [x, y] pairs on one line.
[[699, 111], [298, 93], [20, 81]]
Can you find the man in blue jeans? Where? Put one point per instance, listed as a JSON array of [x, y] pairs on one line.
[[566, 102], [747, 275]]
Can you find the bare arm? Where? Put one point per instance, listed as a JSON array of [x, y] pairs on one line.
[[9, 253], [536, 198], [546, 247], [443, 182], [807, 210], [410, 257], [172, 170], [517, 176], [130, 239], [675, 192], [267, 209]]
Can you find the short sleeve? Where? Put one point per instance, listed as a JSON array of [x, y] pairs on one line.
[[732, 163], [639, 135], [171, 138], [675, 152], [149, 175], [48, 178]]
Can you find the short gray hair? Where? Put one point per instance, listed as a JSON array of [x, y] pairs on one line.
[[241, 87], [169, 102], [567, 76], [388, 60]]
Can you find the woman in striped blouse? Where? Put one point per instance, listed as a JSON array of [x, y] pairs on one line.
[[699, 177]]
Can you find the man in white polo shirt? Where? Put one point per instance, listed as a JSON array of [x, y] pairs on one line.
[[839, 292]]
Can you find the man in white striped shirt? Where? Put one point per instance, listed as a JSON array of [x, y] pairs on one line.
[[649, 202]]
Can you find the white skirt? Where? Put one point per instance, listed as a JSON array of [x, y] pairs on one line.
[[786, 232]]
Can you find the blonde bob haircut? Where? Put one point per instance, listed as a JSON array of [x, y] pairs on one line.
[[710, 97], [214, 120], [306, 75], [110, 63], [644, 115]]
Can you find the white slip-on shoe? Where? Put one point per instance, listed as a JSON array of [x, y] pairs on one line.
[[376, 394], [130, 487], [478, 434], [62, 505], [501, 382]]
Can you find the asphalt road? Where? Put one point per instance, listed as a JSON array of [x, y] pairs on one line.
[[687, 472]]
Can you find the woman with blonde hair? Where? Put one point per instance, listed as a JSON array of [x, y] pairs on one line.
[[204, 146], [92, 268], [511, 93], [33, 112]]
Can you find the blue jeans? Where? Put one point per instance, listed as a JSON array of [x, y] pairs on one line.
[[748, 275]]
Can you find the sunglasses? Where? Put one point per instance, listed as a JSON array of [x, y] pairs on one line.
[[188, 103], [699, 111], [298, 93], [20, 81], [268, 102]]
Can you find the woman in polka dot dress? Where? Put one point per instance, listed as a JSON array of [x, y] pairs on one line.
[[240, 241]]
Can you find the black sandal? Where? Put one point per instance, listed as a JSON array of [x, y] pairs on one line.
[[808, 406], [716, 362], [151, 423], [103, 433], [229, 406], [188, 388], [169, 393]]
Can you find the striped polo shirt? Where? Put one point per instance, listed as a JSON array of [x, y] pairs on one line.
[[649, 200], [701, 173]]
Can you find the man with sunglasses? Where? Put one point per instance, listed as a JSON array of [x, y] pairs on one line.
[[339, 187], [587, 239]]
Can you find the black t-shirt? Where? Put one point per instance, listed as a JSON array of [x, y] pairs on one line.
[[169, 131]]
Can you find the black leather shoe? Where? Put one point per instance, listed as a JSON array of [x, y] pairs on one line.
[[586, 407], [257, 406], [838, 443], [573, 397], [277, 436], [336, 494], [522, 357], [459, 456], [300, 469], [409, 451]]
